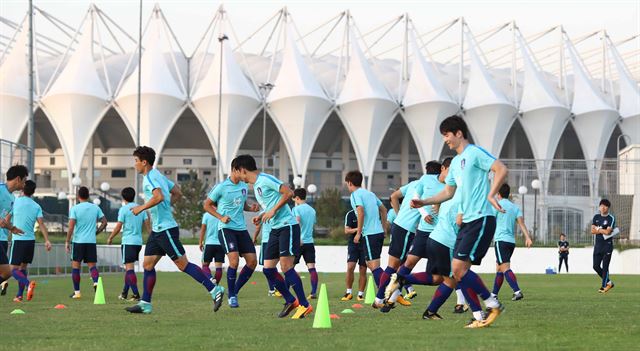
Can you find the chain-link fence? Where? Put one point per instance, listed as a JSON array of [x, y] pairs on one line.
[[12, 154], [58, 261]]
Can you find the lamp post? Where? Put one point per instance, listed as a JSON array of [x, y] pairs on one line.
[[522, 190], [312, 189], [76, 182], [104, 187], [297, 181], [265, 88], [221, 39], [535, 184]]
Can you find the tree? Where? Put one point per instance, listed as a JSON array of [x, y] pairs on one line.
[[330, 208], [188, 211]]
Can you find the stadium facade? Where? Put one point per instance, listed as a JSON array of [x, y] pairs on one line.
[[320, 114]]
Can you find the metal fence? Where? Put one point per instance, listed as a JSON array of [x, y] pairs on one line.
[[58, 261], [12, 154]]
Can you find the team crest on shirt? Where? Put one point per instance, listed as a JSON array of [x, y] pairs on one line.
[[605, 222], [462, 163], [244, 192], [237, 201], [259, 190]]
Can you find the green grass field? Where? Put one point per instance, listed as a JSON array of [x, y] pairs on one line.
[[558, 312]]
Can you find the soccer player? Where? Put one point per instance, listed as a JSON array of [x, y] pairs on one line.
[[284, 239], [469, 172], [164, 239], [263, 230], [82, 229], [563, 252], [131, 227], [428, 185], [372, 216], [210, 246], [227, 202], [16, 178], [306, 217], [25, 214], [603, 224], [439, 249], [505, 242], [355, 255]]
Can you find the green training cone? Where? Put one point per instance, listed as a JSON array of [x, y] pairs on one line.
[[99, 298], [322, 318], [17, 311], [370, 295], [347, 311]]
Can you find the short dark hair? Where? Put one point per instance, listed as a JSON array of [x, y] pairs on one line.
[[446, 162], [354, 177], [433, 167], [504, 191], [301, 193], [17, 171], [83, 193], [605, 202], [454, 124], [128, 194], [562, 234], [145, 153], [244, 162], [29, 187]]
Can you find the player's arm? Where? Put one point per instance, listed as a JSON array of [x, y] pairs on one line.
[[6, 223], [257, 232], [500, 175], [253, 207], [72, 225], [116, 231], [103, 225], [203, 230], [287, 194], [156, 198], [147, 224], [45, 233], [382, 211], [360, 215], [211, 208], [527, 239], [444, 195], [609, 229], [175, 193], [395, 200]]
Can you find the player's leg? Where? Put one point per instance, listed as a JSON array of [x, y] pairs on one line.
[[230, 243], [598, 257], [559, 263], [218, 256], [16, 258], [289, 245], [349, 278], [397, 253], [205, 260], [248, 252], [271, 259], [5, 268], [309, 255], [91, 257], [566, 262], [125, 287], [440, 296], [607, 284], [362, 279], [499, 279], [132, 252], [77, 255], [372, 246]]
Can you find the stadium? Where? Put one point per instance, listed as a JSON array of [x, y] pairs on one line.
[[561, 110]]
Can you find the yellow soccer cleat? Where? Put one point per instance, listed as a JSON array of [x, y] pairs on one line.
[[360, 298], [302, 312], [609, 286], [402, 301], [277, 294], [75, 296], [347, 297], [476, 324], [411, 295], [394, 284], [493, 314]]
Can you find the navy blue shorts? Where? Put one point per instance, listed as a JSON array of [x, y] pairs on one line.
[[4, 245], [504, 250], [401, 240], [355, 252], [372, 246], [263, 251], [308, 252], [130, 253], [440, 257], [86, 253], [163, 243], [211, 253], [419, 245], [21, 251], [236, 241], [283, 242], [474, 239]]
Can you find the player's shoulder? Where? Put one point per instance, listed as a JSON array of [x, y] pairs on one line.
[[478, 151]]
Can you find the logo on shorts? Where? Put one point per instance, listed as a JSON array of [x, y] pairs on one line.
[[231, 246]]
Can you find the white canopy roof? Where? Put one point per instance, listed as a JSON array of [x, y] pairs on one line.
[[364, 105], [426, 103], [298, 105], [163, 95], [78, 99], [487, 111], [629, 99], [240, 103]]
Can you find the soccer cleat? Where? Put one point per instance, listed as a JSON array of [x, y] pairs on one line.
[[4, 286], [411, 295], [140, 307], [347, 297], [122, 296], [271, 293], [492, 314], [395, 283], [135, 298], [475, 324], [233, 302], [302, 312], [601, 290], [75, 296], [360, 298], [277, 294], [431, 315], [30, 290], [17, 299], [517, 296], [377, 305], [312, 297], [461, 308], [387, 307], [217, 294], [609, 286], [288, 307], [402, 301]]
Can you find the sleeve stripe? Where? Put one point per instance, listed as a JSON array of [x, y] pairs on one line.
[[485, 151]]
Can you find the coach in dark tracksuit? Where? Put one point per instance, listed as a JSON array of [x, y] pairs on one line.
[[603, 224], [563, 253]]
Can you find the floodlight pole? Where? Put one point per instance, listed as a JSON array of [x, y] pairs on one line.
[[221, 39], [139, 94], [265, 88], [31, 128]]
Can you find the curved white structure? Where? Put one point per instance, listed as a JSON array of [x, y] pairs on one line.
[[629, 106]]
